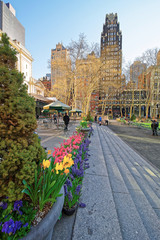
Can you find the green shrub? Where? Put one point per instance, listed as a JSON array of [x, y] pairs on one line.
[[133, 117], [89, 117], [20, 148]]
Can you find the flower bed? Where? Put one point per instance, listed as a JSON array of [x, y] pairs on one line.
[[65, 167], [73, 184]]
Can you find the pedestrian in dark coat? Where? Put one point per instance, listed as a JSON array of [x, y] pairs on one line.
[[154, 127], [66, 121]]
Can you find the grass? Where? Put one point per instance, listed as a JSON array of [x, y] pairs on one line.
[[141, 124]]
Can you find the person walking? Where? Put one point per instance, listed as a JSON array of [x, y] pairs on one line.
[[154, 127], [66, 121], [100, 120], [106, 120], [55, 118], [95, 118]]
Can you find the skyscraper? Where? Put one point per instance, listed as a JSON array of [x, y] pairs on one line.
[[111, 55], [60, 67], [9, 23], [59, 57]]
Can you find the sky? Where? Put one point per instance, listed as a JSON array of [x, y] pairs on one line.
[[48, 22]]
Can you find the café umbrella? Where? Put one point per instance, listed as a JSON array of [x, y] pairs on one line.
[[75, 110], [57, 105]]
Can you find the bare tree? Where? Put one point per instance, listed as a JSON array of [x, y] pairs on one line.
[[149, 57], [84, 71], [126, 71], [78, 49], [95, 48]]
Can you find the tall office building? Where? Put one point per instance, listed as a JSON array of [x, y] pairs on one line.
[[9, 23], [111, 55], [59, 58], [60, 67], [136, 69]]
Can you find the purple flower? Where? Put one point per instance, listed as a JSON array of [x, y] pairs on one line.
[[17, 206], [11, 226], [25, 225], [18, 225], [65, 189], [72, 177], [86, 165], [82, 205], [8, 227], [80, 152], [77, 172], [4, 205], [78, 188], [69, 183], [70, 197]]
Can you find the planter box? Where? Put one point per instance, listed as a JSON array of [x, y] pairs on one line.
[[44, 230], [85, 131]]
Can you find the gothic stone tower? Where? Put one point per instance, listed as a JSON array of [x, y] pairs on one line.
[[111, 56]]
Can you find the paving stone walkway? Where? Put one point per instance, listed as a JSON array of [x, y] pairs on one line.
[[122, 195], [140, 139]]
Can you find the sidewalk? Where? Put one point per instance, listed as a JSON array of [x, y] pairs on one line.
[[121, 192]]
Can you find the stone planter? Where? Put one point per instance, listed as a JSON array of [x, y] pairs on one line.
[[85, 131], [44, 230]]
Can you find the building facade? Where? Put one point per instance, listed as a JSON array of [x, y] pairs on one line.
[[24, 61], [59, 58], [60, 72], [136, 69], [9, 23], [87, 83], [111, 55]]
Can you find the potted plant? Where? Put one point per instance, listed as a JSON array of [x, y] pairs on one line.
[[72, 195], [84, 128]]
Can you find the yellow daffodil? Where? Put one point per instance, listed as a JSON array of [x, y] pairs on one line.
[[46, 163], [67, 162], [59, 167]]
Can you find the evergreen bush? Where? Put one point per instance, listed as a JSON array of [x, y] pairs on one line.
[[20, 148]]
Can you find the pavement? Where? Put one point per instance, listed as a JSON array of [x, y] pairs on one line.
[[140, 139], [121, 191]]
